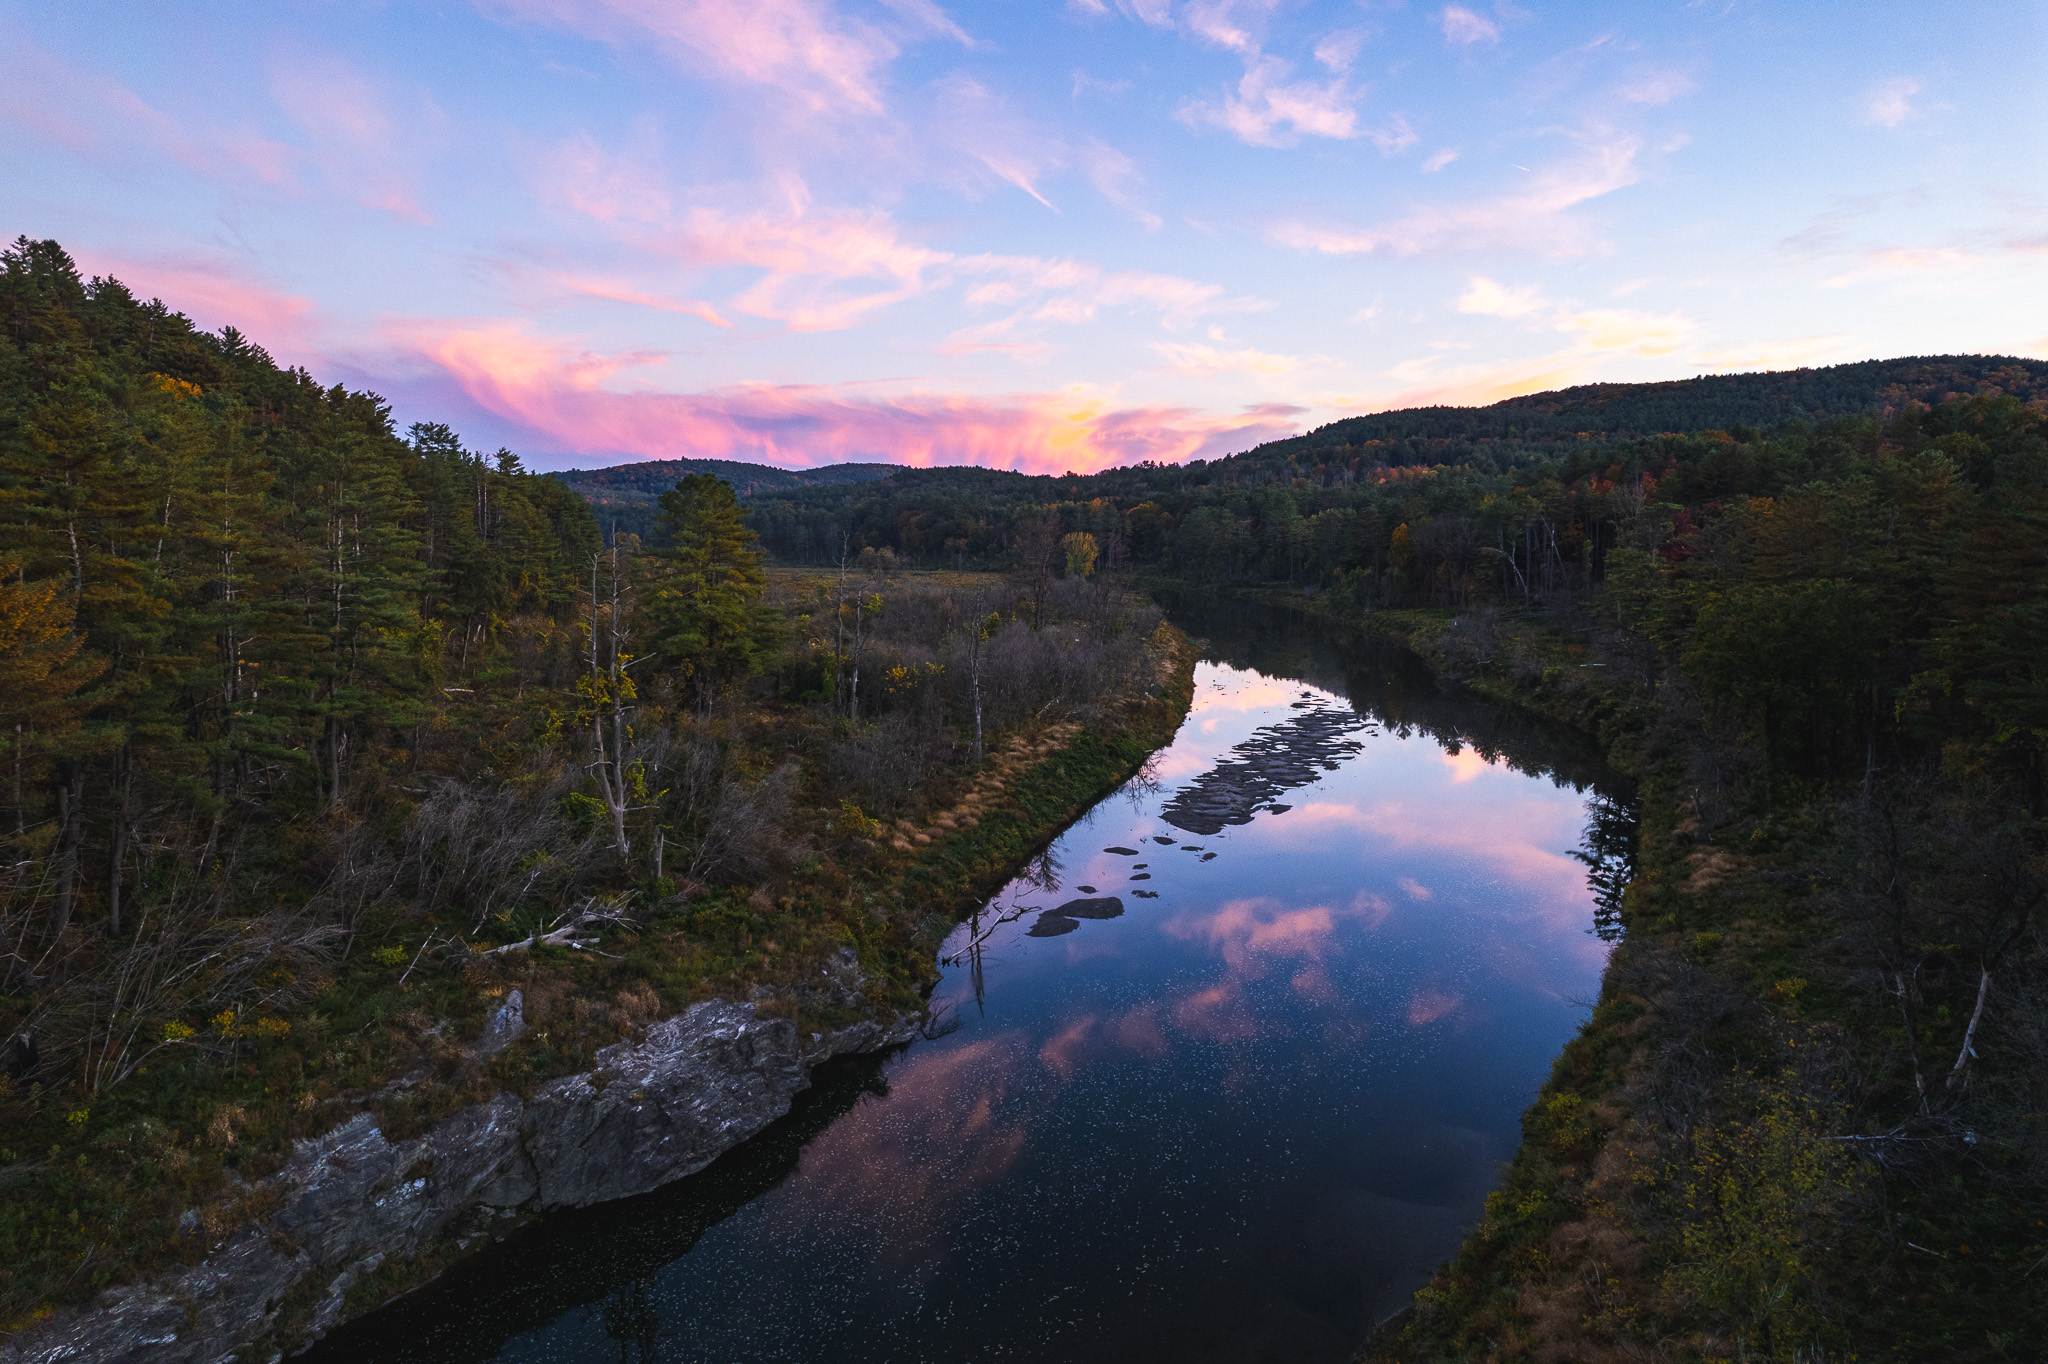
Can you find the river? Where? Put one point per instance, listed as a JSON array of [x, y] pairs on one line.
[[1220, 1078]]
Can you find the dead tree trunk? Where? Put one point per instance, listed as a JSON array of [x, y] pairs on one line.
[[71, 826]]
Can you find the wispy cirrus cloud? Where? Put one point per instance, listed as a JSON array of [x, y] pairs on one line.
[[367, 142], [1490, 299], [808, 51], [1536, 218], [1647, 334], [1270, 106], [828, 269], [597, 182], [981, 127], [1462, 27], [1270, 110], [1657, 86], [1890, 103], [623, 291], [1905, 262], [1782, 353], [1198, 359], [575, 399], [818, 270], [1115, 177], [97, 117]]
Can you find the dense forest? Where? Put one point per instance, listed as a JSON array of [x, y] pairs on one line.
[[320, 736], [623, 497], [1807, 612]]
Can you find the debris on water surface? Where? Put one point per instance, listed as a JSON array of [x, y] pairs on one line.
[[1162, 838], [1146, 894], [1122, 852], [1277, 758], [1142, 876], [1089, 889]]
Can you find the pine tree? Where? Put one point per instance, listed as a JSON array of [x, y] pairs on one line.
[[705, 587]]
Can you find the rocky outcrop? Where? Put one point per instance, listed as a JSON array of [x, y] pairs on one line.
[[650, 1111], [659, 1109]]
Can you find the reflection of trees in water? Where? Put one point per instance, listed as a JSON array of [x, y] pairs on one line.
[[1277, 758], [1044, 872], [631, 1319], [1387, 683], [1144, 783], [1609, 852]]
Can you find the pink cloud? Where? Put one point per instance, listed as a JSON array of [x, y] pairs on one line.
[[802, 50], [99, 117], [1269, 110], [1427, 1006], [806, 262], [214, 294], [956, 1120], [1499, 839], [618, 291], [561, 393], [1061, 1053], [1217, 1013], [1251, 933], [830, 269], [367, 147], [979, 125], [601, 184]]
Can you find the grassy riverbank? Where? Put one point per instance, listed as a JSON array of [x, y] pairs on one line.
[[1715, 1168], [397, 1040]]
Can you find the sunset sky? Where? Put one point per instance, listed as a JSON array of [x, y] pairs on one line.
[[1048, 235]]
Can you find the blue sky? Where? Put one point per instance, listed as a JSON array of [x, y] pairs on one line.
[[1041, 235]]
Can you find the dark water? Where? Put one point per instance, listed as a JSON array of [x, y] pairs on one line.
[[1234, 1067]]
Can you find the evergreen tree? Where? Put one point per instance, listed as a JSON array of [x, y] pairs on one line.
[[705, 587]]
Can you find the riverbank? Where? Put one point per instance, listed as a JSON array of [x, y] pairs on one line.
[[398, 1184], [1702, 1175]]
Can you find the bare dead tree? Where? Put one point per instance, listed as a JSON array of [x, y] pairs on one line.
[[1038, 553], [610, 691]]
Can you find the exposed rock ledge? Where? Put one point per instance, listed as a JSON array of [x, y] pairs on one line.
[[649, 1112]]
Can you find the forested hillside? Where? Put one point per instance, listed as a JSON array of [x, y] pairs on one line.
[[623, 497], [1528, 484], [1807, 1121], [320, 737]]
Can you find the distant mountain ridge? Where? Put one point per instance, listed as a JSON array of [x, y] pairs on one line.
[[624, 495], [1761, 400]]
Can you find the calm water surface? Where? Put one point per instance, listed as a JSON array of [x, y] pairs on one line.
[[1230, 1070]]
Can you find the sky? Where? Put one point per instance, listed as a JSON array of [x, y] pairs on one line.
[[1047, 235]]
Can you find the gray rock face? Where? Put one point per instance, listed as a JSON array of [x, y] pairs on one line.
[[649, 1112], [508, 1024]]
